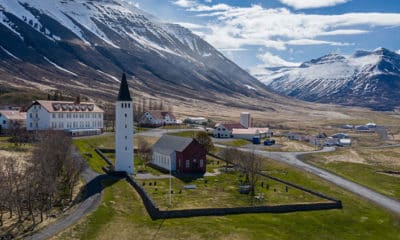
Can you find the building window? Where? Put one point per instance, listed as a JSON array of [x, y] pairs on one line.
[[201, 163], [31, 124], [126, 115], [122, 105], [126, 148], [187, 163], [4, 121], [30, 115], [54, 115]]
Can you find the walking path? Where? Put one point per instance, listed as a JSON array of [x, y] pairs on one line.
[[291, 158], [88, 204]]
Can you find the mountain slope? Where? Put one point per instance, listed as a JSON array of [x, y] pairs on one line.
[[84, 46], [368, 79]]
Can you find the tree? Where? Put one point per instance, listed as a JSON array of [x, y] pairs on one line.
[[144, 150], [250, 164], [204, 139]]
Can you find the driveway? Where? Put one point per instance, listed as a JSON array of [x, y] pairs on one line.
[[291, 158]]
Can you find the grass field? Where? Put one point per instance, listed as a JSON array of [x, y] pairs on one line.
[[222, 191], [363, 166], [122, 216]]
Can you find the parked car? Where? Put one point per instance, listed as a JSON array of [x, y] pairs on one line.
[[269, 142]]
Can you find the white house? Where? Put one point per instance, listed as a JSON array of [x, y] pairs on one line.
[[61, 115], [224, 130], [124, 154], [157, 118], [249, 133], [11, 118]]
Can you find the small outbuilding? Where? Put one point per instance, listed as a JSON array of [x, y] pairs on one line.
[[179, 154], [10, 119]]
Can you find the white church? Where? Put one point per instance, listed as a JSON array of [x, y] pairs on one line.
[[124, 159]]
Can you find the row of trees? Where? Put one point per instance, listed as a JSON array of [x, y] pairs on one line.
[[30, 188], [140, 106]]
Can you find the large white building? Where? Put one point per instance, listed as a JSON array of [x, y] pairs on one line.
[[61, 115], [124, 158]]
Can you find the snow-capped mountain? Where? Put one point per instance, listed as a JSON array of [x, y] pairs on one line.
[[367, 78], [85, 45]]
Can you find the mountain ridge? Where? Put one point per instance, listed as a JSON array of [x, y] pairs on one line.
[[366, 78], [84, 46]]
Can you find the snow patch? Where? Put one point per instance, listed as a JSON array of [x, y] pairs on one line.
[[249, 87], [109, 75], [12, 55], [60, 68]]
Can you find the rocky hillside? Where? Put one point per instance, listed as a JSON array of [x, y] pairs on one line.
[[83, 46], [367, 78]]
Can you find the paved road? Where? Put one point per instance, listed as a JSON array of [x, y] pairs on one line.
[[88, 204], [291, 158]]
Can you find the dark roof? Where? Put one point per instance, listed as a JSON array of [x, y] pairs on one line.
[[124, 94], [168, 144]]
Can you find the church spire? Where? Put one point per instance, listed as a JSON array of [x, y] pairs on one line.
[[124, 94]]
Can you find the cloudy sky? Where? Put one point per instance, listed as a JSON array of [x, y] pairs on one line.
[[284, 32]]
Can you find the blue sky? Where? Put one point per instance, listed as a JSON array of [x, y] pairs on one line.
[[268, 33]]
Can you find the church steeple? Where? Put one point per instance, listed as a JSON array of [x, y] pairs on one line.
[[124, 94]]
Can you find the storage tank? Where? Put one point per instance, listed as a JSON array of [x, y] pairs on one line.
[[245, 119]]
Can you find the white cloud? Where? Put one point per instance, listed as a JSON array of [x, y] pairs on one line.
[[185, 3], [303, 4], [237, 27], [270, 60], [398, 51], [303, 42]]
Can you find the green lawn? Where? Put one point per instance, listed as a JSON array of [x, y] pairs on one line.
[[235, 143], [365, 174], [189, 134], [222, 191], [122, 216]]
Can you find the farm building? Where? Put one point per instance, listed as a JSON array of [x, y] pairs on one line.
[[68, 116], [196, 120], [294, 136], [10, 119], [157, 118], [179, 154], [250, 133], [245, 120], [224, 130]]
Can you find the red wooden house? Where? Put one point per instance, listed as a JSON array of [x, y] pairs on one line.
[[181, 155]]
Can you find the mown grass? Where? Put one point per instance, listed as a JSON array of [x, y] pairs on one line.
[[122, 216]]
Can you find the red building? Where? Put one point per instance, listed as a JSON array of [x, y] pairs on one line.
[[181, 155]]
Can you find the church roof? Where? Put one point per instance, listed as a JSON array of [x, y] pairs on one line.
[[124, 94], [168, 144]]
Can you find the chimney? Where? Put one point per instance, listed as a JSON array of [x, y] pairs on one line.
[[78, 100]]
